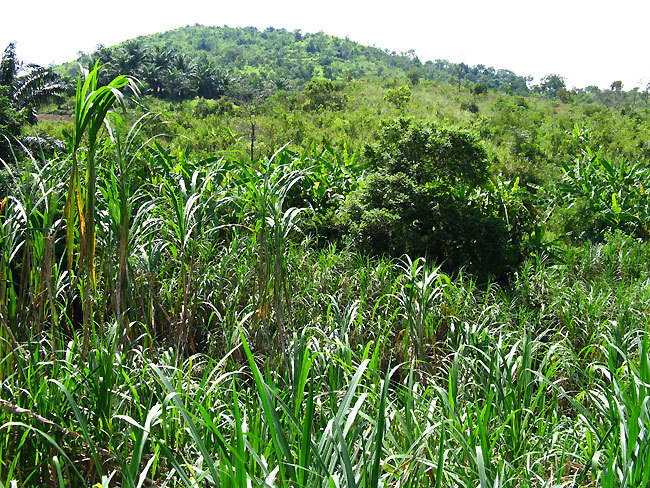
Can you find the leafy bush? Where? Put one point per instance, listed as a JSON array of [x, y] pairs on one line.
[[414, 76], [394, 215], [597, 194], [429, 152], [398, 97], [422, 201], [470, 106], [480, 89], [324, 94]]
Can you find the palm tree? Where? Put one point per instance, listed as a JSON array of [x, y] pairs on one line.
[[29, 90], [9, 65], [155, 71], [180, 78], [131, 58], [138, 53], [22, 89], [11, 120], [211, 81]]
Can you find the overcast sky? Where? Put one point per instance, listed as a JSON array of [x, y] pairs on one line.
[[588, 42]]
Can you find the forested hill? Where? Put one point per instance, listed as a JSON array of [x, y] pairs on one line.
[[289, 59], [278, 53]]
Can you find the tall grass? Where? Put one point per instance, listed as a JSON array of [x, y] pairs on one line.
[[200, 341]]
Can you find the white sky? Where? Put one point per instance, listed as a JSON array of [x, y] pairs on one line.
[[590, 42]]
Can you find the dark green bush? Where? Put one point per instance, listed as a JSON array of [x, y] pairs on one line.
[[324, 95], [422, 200], [394, 215], [480, 89], [470, 106], [428, 152]]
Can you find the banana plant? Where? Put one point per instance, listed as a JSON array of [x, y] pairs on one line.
[[614, 192]]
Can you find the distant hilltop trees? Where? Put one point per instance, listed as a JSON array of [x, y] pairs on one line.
[[202, 61]]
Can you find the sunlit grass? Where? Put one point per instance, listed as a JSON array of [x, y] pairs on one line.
[[226, 347]]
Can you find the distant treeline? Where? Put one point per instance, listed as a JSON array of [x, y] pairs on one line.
[[204, 61]]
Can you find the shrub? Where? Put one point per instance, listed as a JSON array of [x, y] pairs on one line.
[[470, 106], [204, 107], [394, 215], [429, 152], [421, 201], [414, 76], [398, 97], [324, 94], [597, 194], [480, 89]]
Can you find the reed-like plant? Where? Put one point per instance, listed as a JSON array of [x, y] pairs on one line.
[[540, 382], [93, 103], [266, 189]]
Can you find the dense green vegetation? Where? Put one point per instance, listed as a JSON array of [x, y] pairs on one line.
[[289, 59], [22, 90], [393, 277], [428, 195]]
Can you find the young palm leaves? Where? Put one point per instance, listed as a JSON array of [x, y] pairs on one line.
[[92, 105]]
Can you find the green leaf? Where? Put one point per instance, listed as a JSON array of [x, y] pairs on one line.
[[615, 206]]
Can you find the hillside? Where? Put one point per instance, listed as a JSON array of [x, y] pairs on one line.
[[240, 280], [291, 59], [277, 53], [527, 136]]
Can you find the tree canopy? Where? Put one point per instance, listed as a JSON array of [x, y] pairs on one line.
[[22, 89]]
